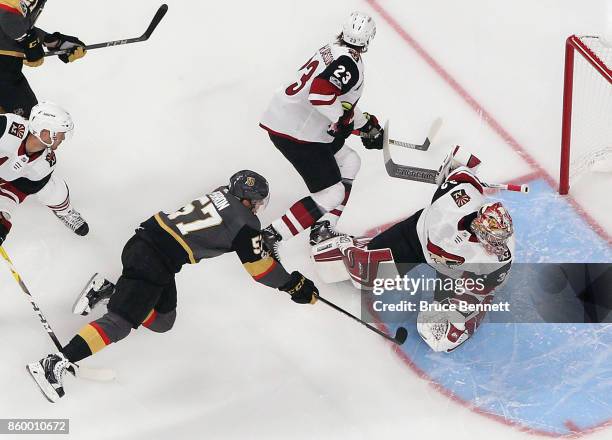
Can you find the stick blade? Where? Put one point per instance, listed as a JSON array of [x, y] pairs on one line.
[[389, 165], [401, 334], [431, 135], [435, 129], [157, 18]]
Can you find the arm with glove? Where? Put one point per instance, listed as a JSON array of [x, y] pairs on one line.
[[371, 133], [75, 47], [267, 271]]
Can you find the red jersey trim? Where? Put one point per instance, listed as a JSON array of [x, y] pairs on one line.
[[464, 177], [320, 102], [10, 9], [283, 135]]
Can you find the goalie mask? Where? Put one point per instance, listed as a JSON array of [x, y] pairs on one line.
[[493, 227]]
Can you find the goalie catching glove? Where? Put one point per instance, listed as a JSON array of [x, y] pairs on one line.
[[57, 41], [374, 133], [301, 289]]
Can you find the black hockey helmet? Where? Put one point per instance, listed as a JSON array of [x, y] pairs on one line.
[[249, 185]]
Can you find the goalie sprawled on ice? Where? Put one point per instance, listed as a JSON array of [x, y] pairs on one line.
[[461, 235]]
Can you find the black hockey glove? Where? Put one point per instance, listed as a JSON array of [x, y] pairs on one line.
[[301, 289], [33, 49], [57, 41], [374, 132], [5, 226], [343, 128]]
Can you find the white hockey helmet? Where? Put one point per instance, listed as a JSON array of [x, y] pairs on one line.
[[49, 116], [493, 227], [359, 29]]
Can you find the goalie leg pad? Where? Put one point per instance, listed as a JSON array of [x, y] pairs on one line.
[[328, 259], [363, 265], [443, 331]]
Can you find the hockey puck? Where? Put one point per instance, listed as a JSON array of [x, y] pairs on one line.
[[400, 335]]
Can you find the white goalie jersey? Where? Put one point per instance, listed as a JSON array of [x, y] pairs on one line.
[[443, 227], [329, 84]]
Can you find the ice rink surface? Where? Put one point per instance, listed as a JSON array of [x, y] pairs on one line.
[[162, 122]]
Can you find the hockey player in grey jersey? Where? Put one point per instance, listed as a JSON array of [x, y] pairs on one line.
[[219, 222], [23, 43]]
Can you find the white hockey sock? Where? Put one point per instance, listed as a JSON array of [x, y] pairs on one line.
[[62, 209], [302, 215]]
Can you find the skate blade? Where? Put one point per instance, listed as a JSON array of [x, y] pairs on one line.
[[81, 303], [36, 376]]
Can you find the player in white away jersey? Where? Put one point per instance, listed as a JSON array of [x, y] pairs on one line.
[[309, 120], [461, 235], [27, 162]]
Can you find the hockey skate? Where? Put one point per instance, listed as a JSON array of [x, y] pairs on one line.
[[321, 231], [48, 373], [97, 290], [271, 241], [75, 222]]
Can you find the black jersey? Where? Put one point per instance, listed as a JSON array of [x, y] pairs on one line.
[[16, 20], [214, 224]]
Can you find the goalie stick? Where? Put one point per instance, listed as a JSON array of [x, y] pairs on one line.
[[144, 37], [433, 131], [98, 374], [400, 334], [427, 175]]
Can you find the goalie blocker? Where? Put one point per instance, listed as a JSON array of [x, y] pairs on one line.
[[459, 234]]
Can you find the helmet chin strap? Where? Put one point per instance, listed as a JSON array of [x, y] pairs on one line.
[[52, 135]]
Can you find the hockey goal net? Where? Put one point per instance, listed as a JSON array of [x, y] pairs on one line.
[[586, 144]]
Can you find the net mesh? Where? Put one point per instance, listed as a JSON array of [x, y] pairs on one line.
[[591, 139]]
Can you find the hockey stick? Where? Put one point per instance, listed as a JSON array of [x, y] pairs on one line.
[[433, 131], [101, 374], [144, 37], [400, 334], [427, 175]]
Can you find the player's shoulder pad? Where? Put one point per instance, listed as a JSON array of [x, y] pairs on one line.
[[460, 176], [13, 125], [342, 73], [466, 175]]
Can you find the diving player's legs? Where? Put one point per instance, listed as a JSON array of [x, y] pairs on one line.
[[144, 294], [161, 318], [145, 282]]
